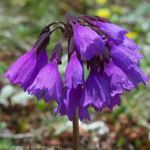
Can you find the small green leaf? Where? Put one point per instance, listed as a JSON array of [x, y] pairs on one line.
[[119, 111], [138, 143], [120, 141]]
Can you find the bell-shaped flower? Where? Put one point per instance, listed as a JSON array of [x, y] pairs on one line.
[[48, 83], [115, 32], [130, 44], [117, 79], [26, 68], [127, 61], [74, 74], [70, 101], [97, 92], [87, 41]]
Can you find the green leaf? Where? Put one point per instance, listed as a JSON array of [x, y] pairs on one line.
[[138, 143], [120, 142], [119, 111]]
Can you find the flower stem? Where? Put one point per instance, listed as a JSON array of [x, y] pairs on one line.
[[59, 27], [55, 22], [76, 132]]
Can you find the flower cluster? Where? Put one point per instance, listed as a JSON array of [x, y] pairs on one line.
[[93, 41]]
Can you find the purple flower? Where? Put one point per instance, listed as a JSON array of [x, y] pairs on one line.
[[115, 32], [130, 44], [87, 41], [70, 101], [97, 92], [111, 56], [117, 79], [127, 61], [26, 68], [115, 100], [48, 83], [74, 74]]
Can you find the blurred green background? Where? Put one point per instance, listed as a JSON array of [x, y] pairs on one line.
[[128, 127]]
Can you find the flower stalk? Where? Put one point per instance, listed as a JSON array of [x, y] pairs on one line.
[[76, 132]]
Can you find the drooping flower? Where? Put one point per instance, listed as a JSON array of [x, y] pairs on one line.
[[104, 47], [117, 79], [26, 68], [97, 93], [128, 63], [48, 83], [70, 101], [87, 41], [74, 74], [115, 32], [130, 44]]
